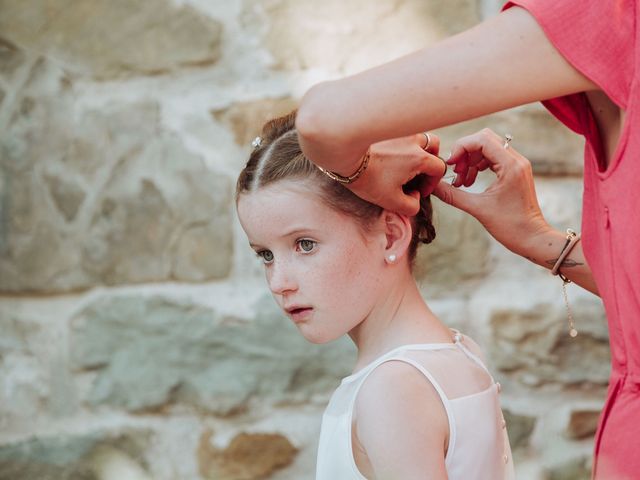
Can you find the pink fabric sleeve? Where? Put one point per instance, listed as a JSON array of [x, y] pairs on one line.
[[597, 37]]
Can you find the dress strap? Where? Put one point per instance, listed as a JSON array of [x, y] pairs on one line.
[[457, 339]]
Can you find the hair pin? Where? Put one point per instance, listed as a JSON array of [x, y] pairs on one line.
[[256, 142]]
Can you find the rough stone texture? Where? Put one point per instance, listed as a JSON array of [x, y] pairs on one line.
[[459, 252], [534, 346], [583, 423], [552, 149], [350, 36], [245, 119], [24, 388], [103, 196], [72, 457], [520, 428], [151, 352], [249, 456], [111, 38], [577, 469]]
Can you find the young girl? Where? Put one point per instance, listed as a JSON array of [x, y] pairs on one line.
[[420, 403]]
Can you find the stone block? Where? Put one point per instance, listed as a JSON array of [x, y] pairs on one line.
[[459, 252], [74, 457], [107, 195], [583, 423], [245, 119], [575, 469], [520, 428], [534, 347], [350, 36], [111, 38], [551, 147], [249, 456], [26, 387], [149, 352], [10, 60]]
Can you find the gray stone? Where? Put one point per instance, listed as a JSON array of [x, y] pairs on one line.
[[576, 469], [110, 38], [534, 346], [10, 59], [150, 352], [67, 457], [25, 387], [459, 252], [520, 428], [551, 148], [103, 196], [349, 36], [67, 195]]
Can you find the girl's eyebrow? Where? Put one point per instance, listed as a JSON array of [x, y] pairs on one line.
[[295, 231]]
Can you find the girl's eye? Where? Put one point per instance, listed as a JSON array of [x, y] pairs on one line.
[[306, 245], [266, 255]]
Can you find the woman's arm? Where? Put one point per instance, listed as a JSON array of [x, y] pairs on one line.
[[401, 425], [502, 62]]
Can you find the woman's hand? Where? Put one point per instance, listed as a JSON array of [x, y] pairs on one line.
[[508, 208], [402, 162]]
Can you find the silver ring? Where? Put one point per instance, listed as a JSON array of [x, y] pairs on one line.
[[507, 140], [428, 137]]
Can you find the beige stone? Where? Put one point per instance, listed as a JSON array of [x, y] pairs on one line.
[[550, 146], [583, 423], [534, 347], [245, 119], [108, 38], [350, 36], [460, 251], [249, 456]]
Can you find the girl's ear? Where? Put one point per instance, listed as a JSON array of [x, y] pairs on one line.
[[398, 233]]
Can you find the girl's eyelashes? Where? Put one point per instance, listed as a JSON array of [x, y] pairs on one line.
[[305, 245], [266, 256]]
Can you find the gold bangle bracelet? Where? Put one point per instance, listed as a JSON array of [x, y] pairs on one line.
[[351, 178]]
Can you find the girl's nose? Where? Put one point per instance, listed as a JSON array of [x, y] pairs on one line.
[[281, 279]]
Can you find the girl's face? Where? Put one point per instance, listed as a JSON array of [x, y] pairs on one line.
[[321, 266]]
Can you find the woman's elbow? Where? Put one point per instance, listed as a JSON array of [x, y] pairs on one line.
[[312, 123]]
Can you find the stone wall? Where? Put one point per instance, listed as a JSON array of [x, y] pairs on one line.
[[139, 340]]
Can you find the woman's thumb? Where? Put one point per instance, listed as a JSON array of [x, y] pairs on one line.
[[455, 197]]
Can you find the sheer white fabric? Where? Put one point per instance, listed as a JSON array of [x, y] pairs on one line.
[[478, 443]]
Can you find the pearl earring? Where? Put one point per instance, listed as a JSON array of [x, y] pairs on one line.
[[391, 258]]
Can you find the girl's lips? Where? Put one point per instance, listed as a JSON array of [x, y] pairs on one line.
[[299, 314]]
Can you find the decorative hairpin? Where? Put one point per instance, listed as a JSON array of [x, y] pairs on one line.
[[256, 142]]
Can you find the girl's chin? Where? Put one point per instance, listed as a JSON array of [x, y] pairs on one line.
[[315, 337]]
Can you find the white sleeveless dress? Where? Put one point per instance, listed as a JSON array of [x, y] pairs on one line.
[[478, 442]]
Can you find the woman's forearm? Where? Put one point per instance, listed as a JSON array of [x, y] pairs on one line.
[[503, 62], [544, 250]]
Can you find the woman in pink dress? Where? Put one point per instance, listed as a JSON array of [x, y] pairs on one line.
[[580, 58]]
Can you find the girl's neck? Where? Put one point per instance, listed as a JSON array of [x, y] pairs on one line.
[[401, 318]]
